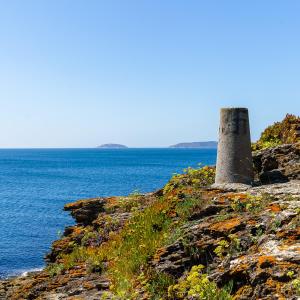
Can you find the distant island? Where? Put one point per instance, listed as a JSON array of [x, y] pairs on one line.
[[209, 144], [112, 146]]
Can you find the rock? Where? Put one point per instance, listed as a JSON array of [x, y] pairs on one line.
[[247, 235], [278, 164], [86, 211], [290, 189], [263, 255], [231, 187]]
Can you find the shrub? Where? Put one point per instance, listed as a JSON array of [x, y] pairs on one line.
[[196, 285], [221, 248], [250, 203], [284, 132], [55, 269], [156, 283], [196, 178], [296, 286]]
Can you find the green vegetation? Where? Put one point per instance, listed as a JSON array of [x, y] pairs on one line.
[[196, 285], [55, 269], [284, 132], [121, 249], [194, 178], [135, 230], [143, 234], [127, 251], [296, 286], [228, 247], [127, 204], [249, 203], [156, 284], [221, 248]]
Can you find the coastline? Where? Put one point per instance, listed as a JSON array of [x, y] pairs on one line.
[[208, 224], [36, 184], [230, 241]]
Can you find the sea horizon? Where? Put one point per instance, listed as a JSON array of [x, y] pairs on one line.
[[36, 183], [99, 148]]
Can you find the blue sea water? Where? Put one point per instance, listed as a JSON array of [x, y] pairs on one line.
[[36, 183]]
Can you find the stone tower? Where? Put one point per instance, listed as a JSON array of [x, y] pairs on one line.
[[234, 159]]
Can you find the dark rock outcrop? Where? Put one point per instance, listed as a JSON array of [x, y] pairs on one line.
[[278, 164], [84, 212]]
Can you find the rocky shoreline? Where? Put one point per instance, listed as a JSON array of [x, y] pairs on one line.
[[186, 240]]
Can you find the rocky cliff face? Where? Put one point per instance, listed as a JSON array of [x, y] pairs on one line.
[[277, 164], [186, 241]]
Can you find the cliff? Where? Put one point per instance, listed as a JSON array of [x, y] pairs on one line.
[[185, 241]]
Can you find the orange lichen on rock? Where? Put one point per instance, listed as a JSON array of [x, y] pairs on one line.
[[79, 203], [244, 291], [112, 201], [252, 222], [87, 285], [235, 196], [231, 197], [240, 268], [227, 225], [266, 261], [274, 207], [221, 200], [275, 287], [290, 235]]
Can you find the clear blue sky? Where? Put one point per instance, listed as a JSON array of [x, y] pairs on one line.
[[143, 73]]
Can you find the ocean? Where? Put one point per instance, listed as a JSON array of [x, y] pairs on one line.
[[36, 183]]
